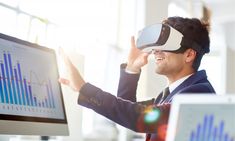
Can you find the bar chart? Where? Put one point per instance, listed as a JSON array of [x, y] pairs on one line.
[[29, 84], [206, 122], [16, 89], [207, 130]]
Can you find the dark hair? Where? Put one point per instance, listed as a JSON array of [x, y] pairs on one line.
[[195, 30]]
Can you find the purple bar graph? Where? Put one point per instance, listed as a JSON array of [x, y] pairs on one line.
[[207, 131]]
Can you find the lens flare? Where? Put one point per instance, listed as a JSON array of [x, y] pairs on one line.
[[162, 130], [151, 115]]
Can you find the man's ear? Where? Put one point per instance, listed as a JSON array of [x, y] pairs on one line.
[[190, 55]]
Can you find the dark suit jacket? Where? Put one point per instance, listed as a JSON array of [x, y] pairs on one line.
[[196, 83], [124, 109]]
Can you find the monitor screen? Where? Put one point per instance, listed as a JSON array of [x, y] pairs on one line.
[[210, 122], [202, 118], [31, 99]]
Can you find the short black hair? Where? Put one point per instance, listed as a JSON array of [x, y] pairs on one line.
[[193, 29]]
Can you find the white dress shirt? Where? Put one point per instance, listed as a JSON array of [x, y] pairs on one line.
[[177, 83]]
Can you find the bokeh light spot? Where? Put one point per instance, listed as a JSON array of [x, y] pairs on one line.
[[152, 115]]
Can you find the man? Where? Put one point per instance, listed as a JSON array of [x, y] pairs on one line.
[[179, 66]]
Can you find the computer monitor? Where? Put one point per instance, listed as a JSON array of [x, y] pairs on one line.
[[202, 118], [31, 101]]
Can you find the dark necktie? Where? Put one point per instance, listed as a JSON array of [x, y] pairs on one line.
[[165, 93]]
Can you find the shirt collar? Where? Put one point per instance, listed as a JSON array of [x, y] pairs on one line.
[[178, 82]]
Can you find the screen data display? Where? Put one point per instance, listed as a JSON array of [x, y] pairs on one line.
[[29, 88], [206, 122]]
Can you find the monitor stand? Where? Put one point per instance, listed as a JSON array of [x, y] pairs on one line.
[[45, 138]]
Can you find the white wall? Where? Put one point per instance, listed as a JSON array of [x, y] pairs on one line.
[[229, 57]]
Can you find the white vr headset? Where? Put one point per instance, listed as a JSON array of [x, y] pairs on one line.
[[164, 37]]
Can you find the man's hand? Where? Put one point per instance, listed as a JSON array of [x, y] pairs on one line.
[[74, 80], [136, 58]]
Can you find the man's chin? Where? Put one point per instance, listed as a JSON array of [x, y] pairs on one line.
[[159, 71]]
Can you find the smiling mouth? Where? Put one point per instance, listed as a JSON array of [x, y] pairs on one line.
[[159, 58]]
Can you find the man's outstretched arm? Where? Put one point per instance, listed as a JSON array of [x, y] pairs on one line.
[[132, 115]]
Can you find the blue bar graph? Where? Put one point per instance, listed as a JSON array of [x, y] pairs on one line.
[[30, 95], [17, 89], [207, 131], [12, 79], [9, 79], [26, 91], [35, 101], [4, 83], [21, 83], [1, 91], [17, 86]]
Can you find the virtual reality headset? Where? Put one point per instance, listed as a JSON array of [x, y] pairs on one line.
[[164, 37]]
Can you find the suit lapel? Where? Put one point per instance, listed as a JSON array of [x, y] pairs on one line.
[[191, 80]]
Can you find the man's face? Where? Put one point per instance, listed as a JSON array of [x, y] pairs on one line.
[[169, 63]]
